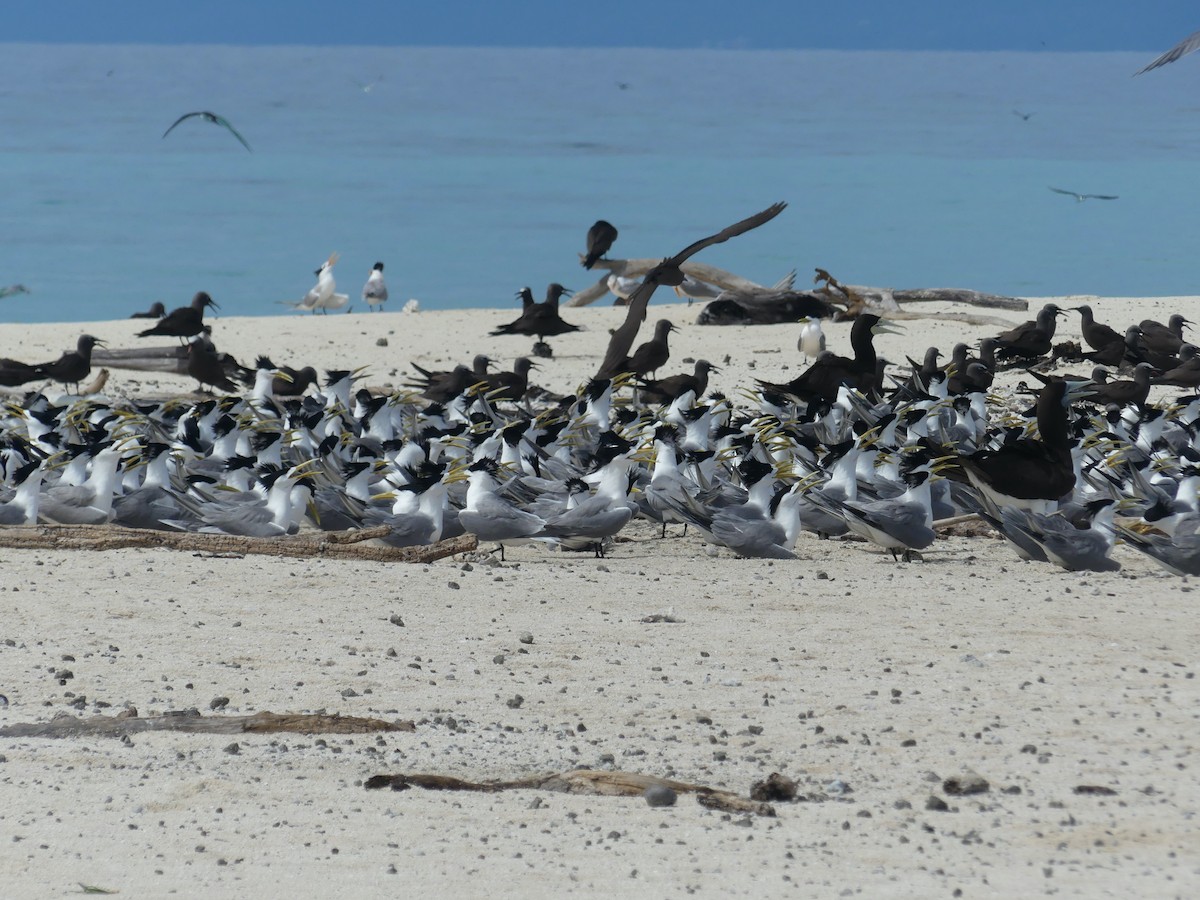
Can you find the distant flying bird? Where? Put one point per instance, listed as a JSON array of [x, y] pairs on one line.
[[214, 119], [366, 88], [1079, 198], [1024, 116], [1183, 48]]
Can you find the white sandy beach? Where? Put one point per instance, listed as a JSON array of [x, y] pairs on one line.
[[842, 667]]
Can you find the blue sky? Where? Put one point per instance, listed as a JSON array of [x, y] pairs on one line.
[[757, 24]]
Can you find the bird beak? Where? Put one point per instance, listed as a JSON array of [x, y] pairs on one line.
[[885, 327]]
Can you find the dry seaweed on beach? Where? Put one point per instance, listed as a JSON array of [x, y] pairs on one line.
[[579, 781], [65, 725]]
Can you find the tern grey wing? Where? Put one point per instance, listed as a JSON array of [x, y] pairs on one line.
[[250, 518], [494, 519], [904, 522], [749, 533], [1074, 549], [224, 122], [182, 118], [1067, 193], [1183, 48], [593, 518]]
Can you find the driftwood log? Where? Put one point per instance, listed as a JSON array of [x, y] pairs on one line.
[[882, 301], [166, 360], [578, 781], [324, 544], [65, 725]]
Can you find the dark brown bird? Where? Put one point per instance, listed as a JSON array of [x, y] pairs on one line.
[[184, 321], [444, 386], [74, 365], [510, 385], [1029, 340], [1126, 393], [541, 320], [14, 373], [1160, 338], [1187, 373], [600, 238], [668, 272], [1096, 335], [1028, 471], [156, 311], [205, 366], [648, 357], [829, 371], [1123, 351], [297, 382], [668, 390]]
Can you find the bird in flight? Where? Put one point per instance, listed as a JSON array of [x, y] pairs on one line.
[[216, 120], [668, 272], [1183, 48], [1024, 115], [1079, 198]]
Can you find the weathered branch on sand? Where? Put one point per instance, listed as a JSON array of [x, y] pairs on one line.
[[65, 725], [325, 544], [579, 781], [873, 299], [633, 268], [165, 360]]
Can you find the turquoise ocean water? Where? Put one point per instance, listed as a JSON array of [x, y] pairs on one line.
[[471, 172]]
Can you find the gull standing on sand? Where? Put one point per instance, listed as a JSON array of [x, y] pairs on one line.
[[374, 292]]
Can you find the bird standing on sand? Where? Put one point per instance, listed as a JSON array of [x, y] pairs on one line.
[[74, 365], [375, 292], [600, 238], [1029, 473], [812, 339], [1029, 340], [667, 390], [825, 377], [540, 319], [184, 321], [204, 365], [323, 295], [215, 120]]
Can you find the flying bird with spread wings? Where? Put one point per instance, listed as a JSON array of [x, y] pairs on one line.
[[215, 120], [1079, 198], [668, 272], [1183, 48]]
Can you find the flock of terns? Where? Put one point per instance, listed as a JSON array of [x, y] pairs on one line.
[[848, 449]]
